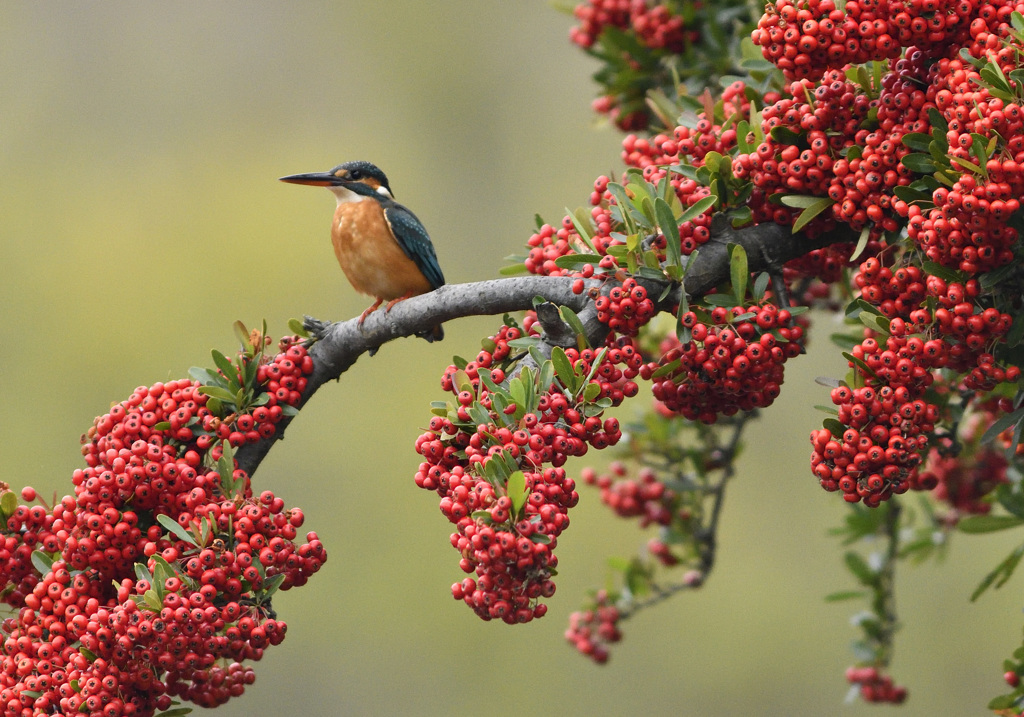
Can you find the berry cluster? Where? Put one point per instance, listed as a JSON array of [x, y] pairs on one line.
[[626, 308], [803, 38], [733, 362], [965, 330], [874, 686], [160, 569], [964, 483], [654, 32], [644, 497], [693, 143], [486, 456], [878, 454], [655, 26], [591, 631], [967, 228]]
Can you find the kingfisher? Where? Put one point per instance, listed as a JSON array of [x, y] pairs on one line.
[[381, 246]]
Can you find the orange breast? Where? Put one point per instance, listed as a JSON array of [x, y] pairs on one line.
[[370, 256]]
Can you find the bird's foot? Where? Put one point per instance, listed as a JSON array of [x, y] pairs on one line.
[[370, 310], [391, 303]]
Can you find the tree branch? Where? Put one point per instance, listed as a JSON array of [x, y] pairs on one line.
[[340, 344]]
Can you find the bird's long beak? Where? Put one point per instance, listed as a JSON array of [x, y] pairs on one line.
[[315, 179]]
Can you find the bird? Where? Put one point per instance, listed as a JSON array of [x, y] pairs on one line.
[[382, 247]]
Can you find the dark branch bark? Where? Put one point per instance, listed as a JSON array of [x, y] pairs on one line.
[[340, 344]]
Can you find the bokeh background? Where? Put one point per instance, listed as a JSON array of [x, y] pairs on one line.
[[140, 216]]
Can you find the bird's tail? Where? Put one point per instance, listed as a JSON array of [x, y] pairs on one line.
[[435, 333]]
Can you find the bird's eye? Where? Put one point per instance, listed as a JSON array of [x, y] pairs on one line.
[[355, 174]]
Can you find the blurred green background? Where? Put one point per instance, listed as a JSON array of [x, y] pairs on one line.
[[140, 216]]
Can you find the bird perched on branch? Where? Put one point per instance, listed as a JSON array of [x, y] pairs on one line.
[[382, 247]]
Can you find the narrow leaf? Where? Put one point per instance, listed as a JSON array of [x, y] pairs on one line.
[[698, 208], [738, 271], [1005, 422], [811, 212], [988, 523], [516, 490], [42, 562], [172, 526]]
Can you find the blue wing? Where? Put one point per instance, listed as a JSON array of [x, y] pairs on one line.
[[414, 240]]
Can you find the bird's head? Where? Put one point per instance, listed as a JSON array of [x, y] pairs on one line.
[[360, 178]]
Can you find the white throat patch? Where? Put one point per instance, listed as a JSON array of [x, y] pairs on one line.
[[346, 195]]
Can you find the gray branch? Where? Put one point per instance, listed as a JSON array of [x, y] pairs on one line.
[[340, 344]]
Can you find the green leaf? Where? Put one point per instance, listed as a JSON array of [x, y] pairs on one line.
[[172, 526], [943, 272], [917, 141], [573, 261], [582, 230], [242, 334], [205, 376], [563, 368], [1004, 422], [176, 712], [738, 271], [726, 300], [845, 595], [858, 306], [862, 243], [271, 586], [513, 269], [698, 208], [298, 328], [784, 135], [1003, 702], [860, 569], [875, 322], [42, 562], [761, 286], [622, 200], [229, 370], [992, 278], [670, 230], [811, 212], [834, 427], [517, 492], [153, 601], [988, 523], [221, 394], [570, 317], [8, 503], [938, 123], [964, 164], [741, 216], [844, 341], [1000, 574], [854, 151], [216, 406], [920, 163], [865, 369], [911, 195], [799, 201], [142, 573], [518, 392]]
